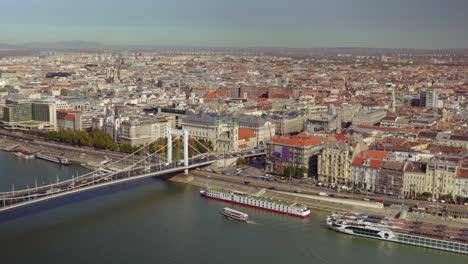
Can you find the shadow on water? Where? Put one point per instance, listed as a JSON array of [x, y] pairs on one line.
[[62, 201]]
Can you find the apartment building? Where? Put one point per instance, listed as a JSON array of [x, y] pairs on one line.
[[297, 155], [334, 163]]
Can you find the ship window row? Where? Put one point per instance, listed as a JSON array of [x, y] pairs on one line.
[[433, 243]]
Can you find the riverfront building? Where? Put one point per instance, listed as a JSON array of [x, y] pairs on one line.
[[441, 173], [365, 169], [296, 155], [334, 163], [223, 134], [140, 131]]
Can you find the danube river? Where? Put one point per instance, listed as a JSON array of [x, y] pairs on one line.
[[164, 222]]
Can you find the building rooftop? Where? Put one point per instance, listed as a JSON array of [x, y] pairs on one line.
[[298, 141], [245, 133]]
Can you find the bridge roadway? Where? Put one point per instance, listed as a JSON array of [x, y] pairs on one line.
[[96, 179]]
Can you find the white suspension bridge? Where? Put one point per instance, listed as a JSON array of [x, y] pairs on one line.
[[138, 165]]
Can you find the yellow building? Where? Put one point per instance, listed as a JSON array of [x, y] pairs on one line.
[[441, 176], [415, 180], [334, 163]]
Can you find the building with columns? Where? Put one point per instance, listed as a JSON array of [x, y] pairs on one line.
[[222, 133]]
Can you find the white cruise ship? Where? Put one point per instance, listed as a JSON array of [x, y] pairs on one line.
[[282, 207], [414, 233], [55, 159]]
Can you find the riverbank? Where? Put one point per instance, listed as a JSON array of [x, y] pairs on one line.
[[194, 178], [203, 180], [87, 157]]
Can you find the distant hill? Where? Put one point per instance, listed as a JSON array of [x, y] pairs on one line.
[[80, 45], [64, 45]]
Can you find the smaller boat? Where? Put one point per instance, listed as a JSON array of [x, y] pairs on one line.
[[234, 214], [22, 153]]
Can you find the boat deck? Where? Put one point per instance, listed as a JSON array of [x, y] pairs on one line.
[[419, 228]]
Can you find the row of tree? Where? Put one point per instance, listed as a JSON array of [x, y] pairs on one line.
[[449, 197], [295, 172], [96, 138], [100, 140]]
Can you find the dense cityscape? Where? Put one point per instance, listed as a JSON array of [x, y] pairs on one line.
[[265, 131], [393, 125]]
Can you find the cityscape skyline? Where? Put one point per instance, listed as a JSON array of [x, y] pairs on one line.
[[303, 24]]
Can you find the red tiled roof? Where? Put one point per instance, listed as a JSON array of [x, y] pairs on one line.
[[245, 133], [358, 161], [375, 164], [298, 141], [70, 117], [213, 95], [373, 154], [391, 129], [462, 173], [341, 137], [375, 158]]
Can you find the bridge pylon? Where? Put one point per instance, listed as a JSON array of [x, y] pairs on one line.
[[184, 134]]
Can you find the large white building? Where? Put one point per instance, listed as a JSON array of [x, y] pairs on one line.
[[460, 189], [138, 131], [223, 134]]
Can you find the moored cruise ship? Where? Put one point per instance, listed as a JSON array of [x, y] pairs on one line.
[[264, 203], [414, 233], [56, 159]]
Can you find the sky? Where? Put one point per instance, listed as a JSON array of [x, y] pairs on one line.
[[239, 23]]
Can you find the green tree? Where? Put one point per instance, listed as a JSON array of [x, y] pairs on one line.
[[290, 171], [301, 172], [102, 140], [64, 92], [426, 195], [241, 162]]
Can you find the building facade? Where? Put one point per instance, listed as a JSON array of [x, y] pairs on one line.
[[334, 163], [414, 179], [391, 178], [223, 134], [141, 131], [365, 169], [293, 156], [441, 173]]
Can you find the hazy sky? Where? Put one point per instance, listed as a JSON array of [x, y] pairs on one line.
[[242, 23]]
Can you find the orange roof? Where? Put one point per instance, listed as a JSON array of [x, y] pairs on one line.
[[358, 161], [213, 95], [245, 133], [375, 158], [391, 129], [70, 117], [375, 164], [298, 141], [462, 173], [373, 154]]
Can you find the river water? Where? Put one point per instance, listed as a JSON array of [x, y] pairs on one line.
[[164, 222]]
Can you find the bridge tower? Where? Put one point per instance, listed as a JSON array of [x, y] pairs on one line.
[[184, 134]]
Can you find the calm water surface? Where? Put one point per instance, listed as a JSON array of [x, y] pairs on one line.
[[162, 222]]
